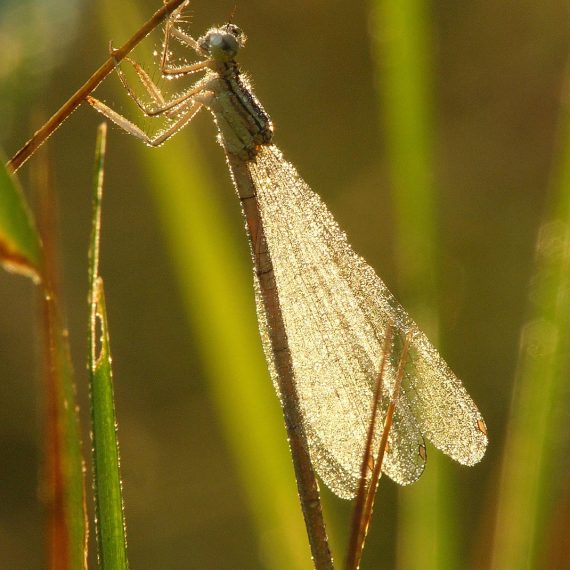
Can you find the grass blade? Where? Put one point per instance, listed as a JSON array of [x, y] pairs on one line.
[[209, 278], [64, 460], [20, 246], [403, 53], [110, 524], [64, 469], [532, 479]]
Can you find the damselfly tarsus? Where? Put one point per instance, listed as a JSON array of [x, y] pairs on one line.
[[323, 312]]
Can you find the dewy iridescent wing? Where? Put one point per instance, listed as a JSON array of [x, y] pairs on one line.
[[336, 311]]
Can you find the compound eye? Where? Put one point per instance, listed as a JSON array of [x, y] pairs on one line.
[[223, 46]]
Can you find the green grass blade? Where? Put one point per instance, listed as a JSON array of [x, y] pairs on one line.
[[218, 297], [64, 471], [534, 452], [64, 458], [110, 524], [220, 308], [403, 54], [20, 246]]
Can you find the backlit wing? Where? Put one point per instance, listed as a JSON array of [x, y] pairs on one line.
[[336, 312]]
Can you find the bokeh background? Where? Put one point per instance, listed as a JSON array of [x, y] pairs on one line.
[[182, 320]]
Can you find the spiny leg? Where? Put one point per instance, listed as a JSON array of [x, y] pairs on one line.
[[151, 87], [162, 106], [182, 107], [136, 131], [171, 30], [186, 39]]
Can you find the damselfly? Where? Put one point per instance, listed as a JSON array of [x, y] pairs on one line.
[[323, 312]]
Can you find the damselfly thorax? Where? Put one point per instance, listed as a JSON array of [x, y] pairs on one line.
[[242, 123]]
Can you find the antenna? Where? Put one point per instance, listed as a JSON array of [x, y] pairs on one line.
[[232, 14]]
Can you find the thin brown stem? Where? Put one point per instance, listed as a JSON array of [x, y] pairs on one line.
[[353, 555], [373, 487], [41, 135], [306, 480], [57, 536]]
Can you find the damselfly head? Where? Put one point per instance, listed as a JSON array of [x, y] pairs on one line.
[[223, 43]]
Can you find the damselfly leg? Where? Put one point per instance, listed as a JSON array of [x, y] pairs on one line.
[[180, 109]]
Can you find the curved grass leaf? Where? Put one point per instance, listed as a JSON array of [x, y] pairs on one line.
[[64, 469], [110, 524], [67, 521], [20, 245], [535, 461], [403, 50]]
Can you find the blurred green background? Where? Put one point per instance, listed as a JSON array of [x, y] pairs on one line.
[[182, 321]]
